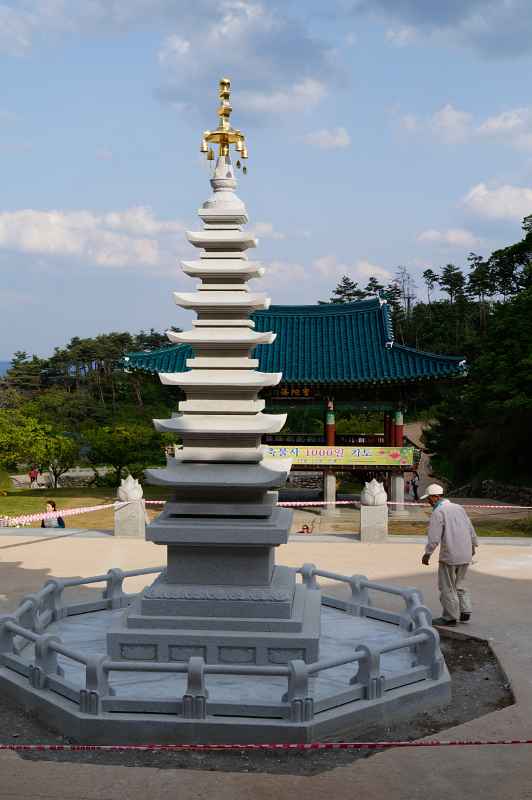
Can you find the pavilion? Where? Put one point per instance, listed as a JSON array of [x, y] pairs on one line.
[[335, 356]]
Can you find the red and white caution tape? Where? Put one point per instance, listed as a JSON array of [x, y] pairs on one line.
[[84, 748], [27, 519]]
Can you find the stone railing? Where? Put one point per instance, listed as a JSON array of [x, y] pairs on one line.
[[28, 624]]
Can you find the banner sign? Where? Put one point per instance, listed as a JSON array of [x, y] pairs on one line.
[[336, 456]]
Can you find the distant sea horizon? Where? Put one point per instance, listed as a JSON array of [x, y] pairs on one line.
[[4, 366]]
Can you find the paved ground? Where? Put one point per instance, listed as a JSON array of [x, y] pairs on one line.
[[501, 585]]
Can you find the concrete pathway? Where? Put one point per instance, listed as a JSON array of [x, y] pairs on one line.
[[501, 584]]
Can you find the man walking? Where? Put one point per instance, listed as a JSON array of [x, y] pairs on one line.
[[450, 528]]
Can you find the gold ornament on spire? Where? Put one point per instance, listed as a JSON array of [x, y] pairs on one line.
[[224, 135]]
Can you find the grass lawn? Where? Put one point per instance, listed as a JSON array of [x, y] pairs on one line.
[[495, 528], [33, 501]]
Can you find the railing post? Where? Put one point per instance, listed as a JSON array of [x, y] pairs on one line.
[[309, 578], [369, 673], [6, 635], [359, 594], [55, 599], [96, 685], [114, 592], [421, 617], [45, 662], [298, 694], [30, 618], [428, 653], [195, 697]]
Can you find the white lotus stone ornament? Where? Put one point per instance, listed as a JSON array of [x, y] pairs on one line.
[[373, 494], [131, 517], [129, 489]]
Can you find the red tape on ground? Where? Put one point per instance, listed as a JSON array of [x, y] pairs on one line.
[[95, 748]]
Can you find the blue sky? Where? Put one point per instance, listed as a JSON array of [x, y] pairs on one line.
[[381, 132]]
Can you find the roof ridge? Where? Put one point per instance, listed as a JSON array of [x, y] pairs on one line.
[[368, 304], [428, 353]]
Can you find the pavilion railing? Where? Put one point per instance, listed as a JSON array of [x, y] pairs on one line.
[[367, 439]]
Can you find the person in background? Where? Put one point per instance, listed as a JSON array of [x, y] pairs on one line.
[[451, 530], [33, 475], [415, 486], [54, 522], [306, 528]]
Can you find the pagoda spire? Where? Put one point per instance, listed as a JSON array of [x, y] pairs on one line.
[[224, 135]]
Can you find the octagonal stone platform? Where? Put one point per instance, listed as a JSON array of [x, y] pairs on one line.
[[375, 665]]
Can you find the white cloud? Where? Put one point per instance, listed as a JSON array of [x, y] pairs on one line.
[[265, 230], [302, 96], [261, 42], [16, 30], [117, 239], [452, 237], [450, 124], [280, 272], [365, 269], [497, 28], [502, 202], [139, 221], [172, 51], [409, 122], [402, 36], [329, 139], [328, 266], [513, 126]]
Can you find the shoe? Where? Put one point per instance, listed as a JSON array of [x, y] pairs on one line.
[[465, 617], [450, 623]]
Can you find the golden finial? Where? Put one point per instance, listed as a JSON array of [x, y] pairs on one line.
[[225, 134]]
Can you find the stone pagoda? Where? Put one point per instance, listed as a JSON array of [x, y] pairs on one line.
[[221, 596]]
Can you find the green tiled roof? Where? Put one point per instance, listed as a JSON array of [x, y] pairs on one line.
[[349, 343]]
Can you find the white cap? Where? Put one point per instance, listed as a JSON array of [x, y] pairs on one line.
[[433, 488]]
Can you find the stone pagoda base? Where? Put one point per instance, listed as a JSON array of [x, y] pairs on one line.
[[244, 625], [221, 596]]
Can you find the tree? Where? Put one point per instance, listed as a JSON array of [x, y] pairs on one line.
[[452, 281], [431, 279], [480, 284], [373, 286], [152, 340], [124, 446], [61, 453], [346, 291], [22, 438], [407, 287], [392, 294], [484, 425]]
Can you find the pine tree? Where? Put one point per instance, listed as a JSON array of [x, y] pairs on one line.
[[347, 291]]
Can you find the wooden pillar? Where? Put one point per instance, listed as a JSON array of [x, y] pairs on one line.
[[398, 429], [330, 424], [387, 429]]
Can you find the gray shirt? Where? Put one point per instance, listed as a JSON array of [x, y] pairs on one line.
[[451, 529]]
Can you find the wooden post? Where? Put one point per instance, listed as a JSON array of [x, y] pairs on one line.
[[387, 423], [330, 424], [399, 429]]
